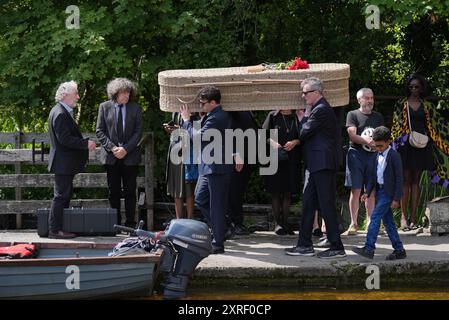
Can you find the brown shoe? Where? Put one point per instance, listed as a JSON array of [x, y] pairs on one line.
[[61, 235]]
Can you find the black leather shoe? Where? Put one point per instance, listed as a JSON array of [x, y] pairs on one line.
[[217, 250], [397, 254]]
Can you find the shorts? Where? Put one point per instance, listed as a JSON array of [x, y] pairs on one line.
[[359, 167], [190, 188]]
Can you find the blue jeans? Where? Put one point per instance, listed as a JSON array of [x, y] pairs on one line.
[[382, 211]]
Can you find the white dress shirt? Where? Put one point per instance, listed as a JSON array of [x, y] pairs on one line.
[[381, 164]]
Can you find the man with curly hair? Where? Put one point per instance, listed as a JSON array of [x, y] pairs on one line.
[[119, 129]]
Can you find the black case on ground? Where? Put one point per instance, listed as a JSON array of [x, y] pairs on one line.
[[82, 221]]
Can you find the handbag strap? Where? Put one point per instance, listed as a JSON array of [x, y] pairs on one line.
[[408, 114]]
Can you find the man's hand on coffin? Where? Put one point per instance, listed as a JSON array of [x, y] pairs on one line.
[[185, 113]]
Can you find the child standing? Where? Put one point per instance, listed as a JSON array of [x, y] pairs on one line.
[[387, 179]]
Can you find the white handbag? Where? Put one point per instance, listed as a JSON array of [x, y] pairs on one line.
[[416, 139]]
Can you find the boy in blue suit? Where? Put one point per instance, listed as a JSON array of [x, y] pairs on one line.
[[387, 179]]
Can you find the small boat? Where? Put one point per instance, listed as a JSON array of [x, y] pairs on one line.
[[78, 271]]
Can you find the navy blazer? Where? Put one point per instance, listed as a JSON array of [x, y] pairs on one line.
[[68, 149], [107, 133], [318, 136], [219, 120], [393, 179]]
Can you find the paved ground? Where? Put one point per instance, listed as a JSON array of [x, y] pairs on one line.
[[261, 256]]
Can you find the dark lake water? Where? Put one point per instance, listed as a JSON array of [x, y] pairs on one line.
[[328, 294]]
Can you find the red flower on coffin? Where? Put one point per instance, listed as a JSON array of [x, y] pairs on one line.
[[299, 64]]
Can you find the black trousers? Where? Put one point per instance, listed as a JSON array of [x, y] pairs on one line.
[[239, 182], [319, 193], [120, 175], [63, 190]]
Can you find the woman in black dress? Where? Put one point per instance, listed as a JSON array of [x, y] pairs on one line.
[[414, 160], [286, 181]]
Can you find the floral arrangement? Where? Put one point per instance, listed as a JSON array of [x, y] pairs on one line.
[[295, 64]]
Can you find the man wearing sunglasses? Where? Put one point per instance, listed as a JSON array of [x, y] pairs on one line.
[[318, 136], [211, 192]]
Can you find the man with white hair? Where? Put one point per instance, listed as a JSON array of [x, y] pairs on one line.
[[68, 154], [360, 123]]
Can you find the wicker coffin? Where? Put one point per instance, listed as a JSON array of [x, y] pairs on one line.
[[252, 88]]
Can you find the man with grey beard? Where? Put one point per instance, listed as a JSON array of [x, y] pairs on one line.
[[360, 124], [69, 152]]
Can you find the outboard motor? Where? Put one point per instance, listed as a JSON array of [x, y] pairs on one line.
[[185, 243]]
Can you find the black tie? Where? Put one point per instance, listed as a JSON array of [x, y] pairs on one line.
[[204, 119], [120, 124]]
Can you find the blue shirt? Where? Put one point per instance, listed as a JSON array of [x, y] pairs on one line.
[[381, 165], [116, 108]]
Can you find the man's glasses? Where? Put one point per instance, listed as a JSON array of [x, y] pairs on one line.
[[304, 93], [202, 103]]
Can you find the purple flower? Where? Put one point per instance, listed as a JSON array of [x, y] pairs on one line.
[[435, 178], [446, 184]]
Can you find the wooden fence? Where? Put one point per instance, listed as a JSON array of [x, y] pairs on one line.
[[20, 156]]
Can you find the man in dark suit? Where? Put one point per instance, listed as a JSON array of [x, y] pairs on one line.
[[68, 155], [211, 193], [243, 120], [119, 130], [318, 136]]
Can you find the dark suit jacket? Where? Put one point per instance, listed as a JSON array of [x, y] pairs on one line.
[[68, 148], [244, 120], [219, 120], [107, 132], [317, 134], [393, 179]]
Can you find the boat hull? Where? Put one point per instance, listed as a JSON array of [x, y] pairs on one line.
[[78, 273]]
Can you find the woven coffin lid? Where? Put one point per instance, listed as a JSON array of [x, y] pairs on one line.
[[252, 88]]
